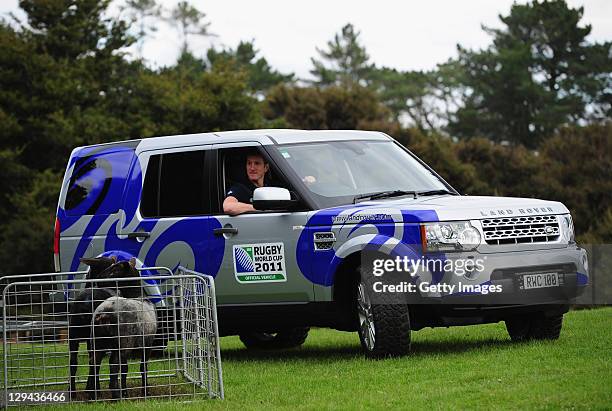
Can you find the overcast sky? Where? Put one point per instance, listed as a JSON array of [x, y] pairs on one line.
[[407, 35]]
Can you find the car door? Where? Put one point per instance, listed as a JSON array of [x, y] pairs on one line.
[[259, 248], [172, 224]]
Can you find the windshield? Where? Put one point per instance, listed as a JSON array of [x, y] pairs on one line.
[[337, 172]]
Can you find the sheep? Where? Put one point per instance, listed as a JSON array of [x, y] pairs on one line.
[[124, 326], [127, 328], [134, 289], [81, 312]]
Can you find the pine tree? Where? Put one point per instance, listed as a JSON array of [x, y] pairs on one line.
[[260, 75], [141, 11], [345, 62], [540, 72], [190, 22]]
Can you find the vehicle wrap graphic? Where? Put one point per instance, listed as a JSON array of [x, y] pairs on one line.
[[93, 168], [370, 227], [95, 190]]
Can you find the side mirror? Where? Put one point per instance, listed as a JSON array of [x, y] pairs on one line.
[[273, 198]]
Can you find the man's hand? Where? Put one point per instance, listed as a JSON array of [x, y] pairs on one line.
[[309, 180], [232, 206]]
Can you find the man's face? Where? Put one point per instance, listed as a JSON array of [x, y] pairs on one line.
[[256, 169]]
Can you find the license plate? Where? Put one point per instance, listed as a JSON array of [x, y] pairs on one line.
[[540, 280]]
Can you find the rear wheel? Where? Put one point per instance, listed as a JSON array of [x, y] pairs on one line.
[[383, 326], [534, 327], [289, 338]]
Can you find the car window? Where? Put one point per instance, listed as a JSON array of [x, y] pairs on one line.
[[175, 185], [336, 172], [233, 169], [97, 182]]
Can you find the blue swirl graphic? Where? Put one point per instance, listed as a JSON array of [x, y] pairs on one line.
[[320, 266]]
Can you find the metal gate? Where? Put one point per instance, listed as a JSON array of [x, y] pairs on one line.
[[154, 336]]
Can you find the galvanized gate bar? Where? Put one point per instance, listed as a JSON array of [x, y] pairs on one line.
[[215, 325]]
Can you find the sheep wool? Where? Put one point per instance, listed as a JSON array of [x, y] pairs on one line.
[[130, 319]]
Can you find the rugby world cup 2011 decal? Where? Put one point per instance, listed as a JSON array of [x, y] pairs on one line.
[[259, 263]]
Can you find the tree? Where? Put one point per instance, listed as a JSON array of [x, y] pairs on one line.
[[344, 63], [26, 238], [73, 29], [424, 99], [507, 170], [505, 102], [333, 108], [206, 101], [57, 75], [575, 72], [415, 95], [65, 82], [189, 21], [141, 12], [577, 170], [62, 77], [259, 73], [539, 73]]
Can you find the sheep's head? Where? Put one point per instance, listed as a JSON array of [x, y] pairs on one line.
[[121, 269], [98, 265]]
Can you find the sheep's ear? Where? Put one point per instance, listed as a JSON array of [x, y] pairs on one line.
[[133, 262], [100, 262], [89, 261]]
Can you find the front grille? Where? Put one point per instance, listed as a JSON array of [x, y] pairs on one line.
[[518, 230]]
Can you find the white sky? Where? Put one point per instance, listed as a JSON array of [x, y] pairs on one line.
[[407, 35]]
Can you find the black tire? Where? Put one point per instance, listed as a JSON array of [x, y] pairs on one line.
[[534, 327], [289, 338], [383, 326], [518, 328]]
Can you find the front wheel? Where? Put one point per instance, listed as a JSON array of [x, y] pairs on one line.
[[289, 338], [534, 327], [384, 327]]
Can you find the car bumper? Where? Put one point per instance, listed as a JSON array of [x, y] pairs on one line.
[[500, 279]]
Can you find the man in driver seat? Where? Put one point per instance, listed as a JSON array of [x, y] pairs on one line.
[[238, 197]]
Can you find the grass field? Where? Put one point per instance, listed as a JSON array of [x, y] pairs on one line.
[[457, 368]]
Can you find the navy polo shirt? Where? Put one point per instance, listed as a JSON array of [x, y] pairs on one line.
[[242, 192]]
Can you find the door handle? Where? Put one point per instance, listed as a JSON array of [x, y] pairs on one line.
[[139, 235], [225, 230]]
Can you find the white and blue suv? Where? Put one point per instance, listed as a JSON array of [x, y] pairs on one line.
[[351, 231]]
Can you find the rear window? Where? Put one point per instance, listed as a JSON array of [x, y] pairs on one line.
[[97, 181], [175, 185]]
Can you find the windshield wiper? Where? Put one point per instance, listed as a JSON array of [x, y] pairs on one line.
[[384, 194], [435, 192]]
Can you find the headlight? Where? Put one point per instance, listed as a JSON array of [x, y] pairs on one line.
[[449, 236], [567, 228]]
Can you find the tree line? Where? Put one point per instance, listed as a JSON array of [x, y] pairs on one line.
[[527, 116]]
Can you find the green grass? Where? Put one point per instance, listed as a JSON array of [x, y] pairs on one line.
[[475, 367]]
